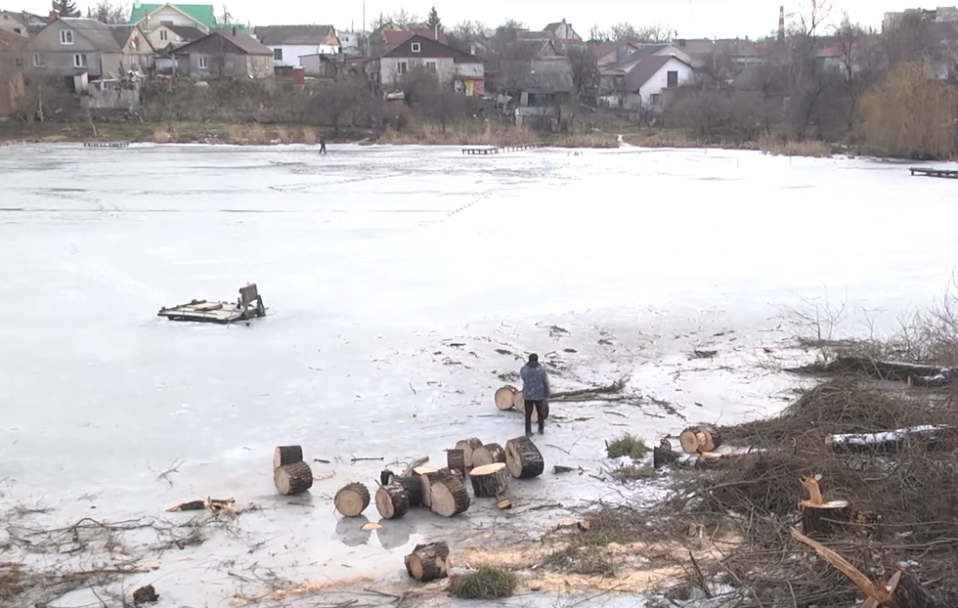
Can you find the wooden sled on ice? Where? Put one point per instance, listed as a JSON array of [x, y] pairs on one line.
[[248, 306]]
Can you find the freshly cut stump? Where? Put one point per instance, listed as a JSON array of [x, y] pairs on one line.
[[488, 454], [829, 518], [518, 401], [505, 397], [287, 454], [413, 487], [702, 438], [456, 461], [428, 562], [352, 499], [489, 481], [392, 502], [449, 496], [293, 478], [523, 458], [427, 480], [468, 446]]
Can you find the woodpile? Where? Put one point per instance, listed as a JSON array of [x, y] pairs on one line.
[[456, 461], [523, 458], [290, 474], [428, 562], [427, 477], [413, 487], [352, 499], [488, 454], [468, 446]]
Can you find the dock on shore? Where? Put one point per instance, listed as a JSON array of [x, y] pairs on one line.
[[106, 144], [497, 149], [930, 172]]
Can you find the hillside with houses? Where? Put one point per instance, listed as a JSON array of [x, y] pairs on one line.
[[160, 63]]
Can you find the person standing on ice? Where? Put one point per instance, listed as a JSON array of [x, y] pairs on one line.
[[322, 144], [535, 390]]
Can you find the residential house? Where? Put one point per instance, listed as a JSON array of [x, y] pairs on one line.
[[151, 16], [836, 57], [544, 86], [69, 46], [290, 42], [331, 66], [11, 76], [606, 53], [942, 14], [562, 33], [648, 82], [172, 37], [612, 76], [465, 72], [219, 55], [349, 42], [21, 23]]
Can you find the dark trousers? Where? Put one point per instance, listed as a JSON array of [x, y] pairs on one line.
[[322, 148], [538, 405]]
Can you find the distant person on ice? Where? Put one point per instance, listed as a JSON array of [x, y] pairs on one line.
[[535, 390], [322, 144]]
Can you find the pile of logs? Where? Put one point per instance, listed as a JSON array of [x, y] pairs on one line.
[[290, 474]]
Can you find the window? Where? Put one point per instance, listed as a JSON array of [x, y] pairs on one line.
[[203, 63], [166, 23], [655, 99], [66, 37], [431, 67], [164, 35], [402, 67], [79, 60], [673, 79], [415, 47], [278, 54], [16, 30], [37, 61]]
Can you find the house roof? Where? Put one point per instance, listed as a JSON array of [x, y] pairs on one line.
[[646, 69], [203, 13], [186, 32], [548, 75], [233, 44], [428, 50], [393, 37], [533, 48], [100, 35], [604, 48], [838, 49], [293, 34], [648, 50], [121, 33]]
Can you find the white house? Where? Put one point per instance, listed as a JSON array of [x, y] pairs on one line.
[[290, 42], [349, 41], [649, 81]]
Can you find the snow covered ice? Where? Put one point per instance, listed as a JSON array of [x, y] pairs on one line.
[[400, 281]]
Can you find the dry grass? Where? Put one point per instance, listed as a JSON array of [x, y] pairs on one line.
[[485, 583], [161, 136], [308, 135], [778, 147], [679, 138], [587, 548], [256, 135], [470, 133], [585, 140], [283, 136], [626, 445]]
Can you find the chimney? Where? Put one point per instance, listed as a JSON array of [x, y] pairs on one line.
[[781, 24], [53, 16]]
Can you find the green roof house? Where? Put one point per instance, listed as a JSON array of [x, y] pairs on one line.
[[152, 16]]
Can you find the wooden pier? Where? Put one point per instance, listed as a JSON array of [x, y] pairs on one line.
[[498, 149], [248, 306], [929, 172], [106, 144]]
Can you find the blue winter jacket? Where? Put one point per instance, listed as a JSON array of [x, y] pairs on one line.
[[535, 382]]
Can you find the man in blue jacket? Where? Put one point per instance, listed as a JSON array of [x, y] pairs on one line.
[[535, 390]]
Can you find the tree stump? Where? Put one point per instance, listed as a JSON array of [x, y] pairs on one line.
[[468, 446], [449, 496], [426, 480], [523, 458], [490, 480], [828, 518], [287, 454], [428, 562], [456, 461], [293, 478], [488, 454], [392, 502], [505, 397], [701, 438], [413, 487], [352, 499]]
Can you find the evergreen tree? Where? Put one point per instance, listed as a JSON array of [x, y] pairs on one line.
[[434, 23], [65, 8]]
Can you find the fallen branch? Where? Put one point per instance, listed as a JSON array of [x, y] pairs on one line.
[[356, 459], [615, 387], [932, 437], [912, 373]]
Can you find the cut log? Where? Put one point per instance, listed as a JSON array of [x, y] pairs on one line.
[[413, 487], [293, 478], [392, 502], [503, 503], [422, 470], [523, 458], [449, 496], [701, 438], [427, 479], [428, 562], [490, 480], [931, 437], [352, 499], [518, 401], [287, 454], [827, 518], [488, 454], [505, 397], [456, 461], [468, 446]]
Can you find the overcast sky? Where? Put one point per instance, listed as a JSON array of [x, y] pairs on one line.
[[692, 18]]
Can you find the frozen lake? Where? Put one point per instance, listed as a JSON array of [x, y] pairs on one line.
[[392, 276]]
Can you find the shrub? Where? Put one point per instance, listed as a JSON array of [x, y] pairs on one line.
[[486, 583], [627, 445]]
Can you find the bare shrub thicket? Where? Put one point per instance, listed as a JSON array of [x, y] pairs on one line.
[[717, 115]]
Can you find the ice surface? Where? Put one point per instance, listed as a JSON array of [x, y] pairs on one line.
[[372, 261]]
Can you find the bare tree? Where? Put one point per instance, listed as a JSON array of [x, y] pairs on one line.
[[336, 100], [585, 73], [811, 17], [108, 12], [405, 20]]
